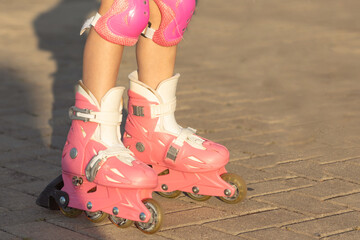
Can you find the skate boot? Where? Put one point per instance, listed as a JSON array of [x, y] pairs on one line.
[[183, 161], [99, 175]]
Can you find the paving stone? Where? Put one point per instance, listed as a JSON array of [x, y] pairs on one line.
[[170, 205], [276, 137], [275, 233], [280, 185], [7, 236], [300, 203], [352, 235], [251, 175], [197, 232], [351, 201], [8, 143], [43, 230], [26, 154], [191, 217], [15, 200], [36, 168], [238, 147], [309, 169], [328, 225], [33, 188], [110, 232], [341, 155], [9, 177], [330, 189], [245, 207], [354, 161], [345, 171], [27, 120], [33, 213], [255, 221], [217, 134], [75, 224]]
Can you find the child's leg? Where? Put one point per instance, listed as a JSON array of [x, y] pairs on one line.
[[101, 60], [155, 62], [182, 160], [100, 176]]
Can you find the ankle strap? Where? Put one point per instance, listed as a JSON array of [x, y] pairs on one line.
[[156, 110], [87, 115]]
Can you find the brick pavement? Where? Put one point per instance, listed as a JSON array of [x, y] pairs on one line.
[[275, 81]]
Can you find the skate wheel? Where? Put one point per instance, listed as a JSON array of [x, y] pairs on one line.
[[120, 222], [154, 224], [172, 194], [96, 217], [70, 212], [240, 188], [198, 197]]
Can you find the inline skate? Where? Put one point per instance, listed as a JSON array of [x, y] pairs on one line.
[[99, 175], [183, 161]]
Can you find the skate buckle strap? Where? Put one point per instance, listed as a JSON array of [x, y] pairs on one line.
[[91, 22], [184, 135], [125, 156], [87, 115], [158, 110], [148, 32], [179, 142], [138, 111], [172, 153]]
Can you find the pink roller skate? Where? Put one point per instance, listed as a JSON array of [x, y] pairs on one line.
[[183, 161], [99, 175]]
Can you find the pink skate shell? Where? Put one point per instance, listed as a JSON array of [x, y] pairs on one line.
[[175, 16], [124, 22], [191, 167], [125, 191], [128, 201]]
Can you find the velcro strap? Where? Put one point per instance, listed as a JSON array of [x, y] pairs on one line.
[[162, 109], [126, 156], [148, 32], [91, 22], [86, 115], [184, 134]]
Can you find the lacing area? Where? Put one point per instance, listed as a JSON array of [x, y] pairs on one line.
[[123, 154]]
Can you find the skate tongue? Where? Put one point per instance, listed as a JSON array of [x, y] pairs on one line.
[[164, 93], [167, 88], [112, 101]]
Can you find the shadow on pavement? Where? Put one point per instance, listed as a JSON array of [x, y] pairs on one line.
[[58, 32]]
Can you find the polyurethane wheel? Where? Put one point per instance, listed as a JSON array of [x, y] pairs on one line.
[[96, 217], [240, 188], [198, 197], [154, 224], [120, 222], [70, 212], [172, 194]]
